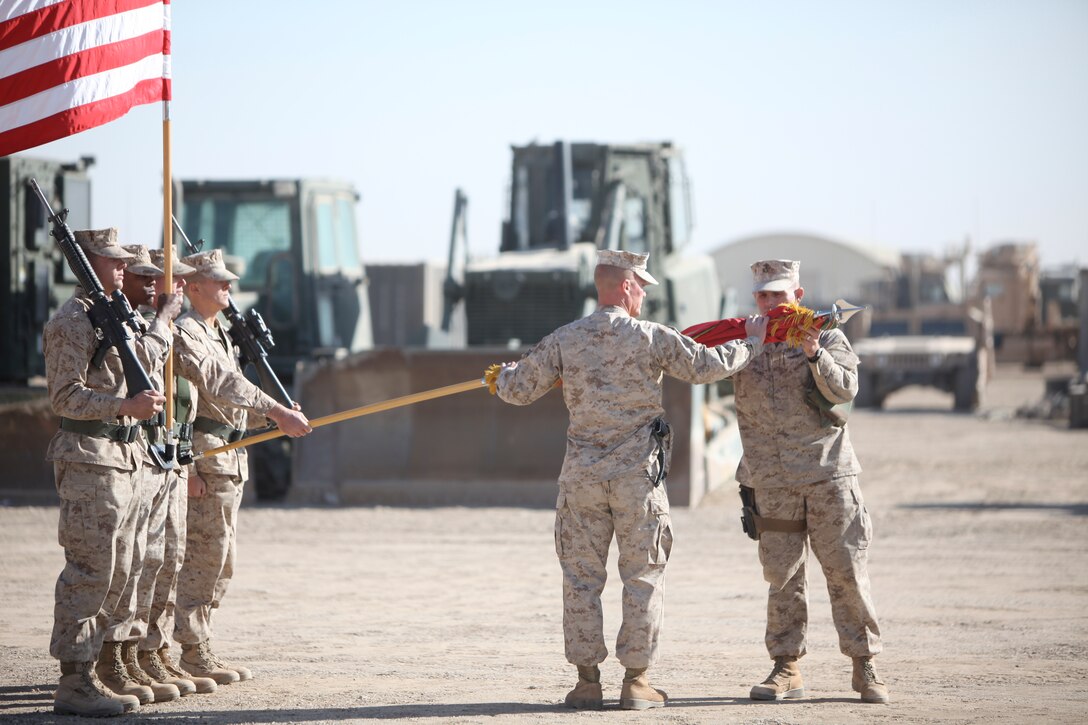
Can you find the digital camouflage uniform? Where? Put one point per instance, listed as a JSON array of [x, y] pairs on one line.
[[97, 480], [611, 366], [802, 467], [205, 356], [165, 548], [147, 546]]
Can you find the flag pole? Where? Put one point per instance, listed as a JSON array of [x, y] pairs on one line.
[[168, 263], [400, 402]]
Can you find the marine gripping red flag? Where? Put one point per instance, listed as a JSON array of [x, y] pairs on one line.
[[70, 65]]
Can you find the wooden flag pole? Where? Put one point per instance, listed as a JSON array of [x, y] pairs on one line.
[[168, 263], [355, 413]]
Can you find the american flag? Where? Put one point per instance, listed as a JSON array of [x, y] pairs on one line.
[[70, 65]]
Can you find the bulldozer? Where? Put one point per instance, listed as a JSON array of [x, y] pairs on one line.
[[294, 244], [566, 201]]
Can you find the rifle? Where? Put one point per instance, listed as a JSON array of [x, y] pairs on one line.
[[250, 334], [111, 316]]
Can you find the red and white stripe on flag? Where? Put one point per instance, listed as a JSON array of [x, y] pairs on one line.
[[70, 65]]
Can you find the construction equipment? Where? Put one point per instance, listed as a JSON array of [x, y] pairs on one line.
[[35, 281], [567, 200], [293, 244]]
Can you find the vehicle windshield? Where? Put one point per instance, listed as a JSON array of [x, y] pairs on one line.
[[253, 231]]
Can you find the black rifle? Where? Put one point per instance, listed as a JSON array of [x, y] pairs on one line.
[[250, 334], [111, 316]]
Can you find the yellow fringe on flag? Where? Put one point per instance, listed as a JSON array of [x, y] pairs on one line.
[[792, 325], [491, 377]]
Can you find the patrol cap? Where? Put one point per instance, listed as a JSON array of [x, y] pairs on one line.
[[142, 263], [181, 269], [102, 242], [210, 265], [776, 275], [626, 260]]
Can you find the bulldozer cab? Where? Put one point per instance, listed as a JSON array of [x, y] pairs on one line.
[[294, 246], [566, 201]]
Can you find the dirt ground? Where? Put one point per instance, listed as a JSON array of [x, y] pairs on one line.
[[979, 570]]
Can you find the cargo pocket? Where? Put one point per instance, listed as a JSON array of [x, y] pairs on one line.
[[662, 546], [861, 529], [560, 512], [78, 521]]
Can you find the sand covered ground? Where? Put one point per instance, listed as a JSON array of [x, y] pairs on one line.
[[979, 571]]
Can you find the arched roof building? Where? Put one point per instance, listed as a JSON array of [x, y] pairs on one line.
[[830, 268]]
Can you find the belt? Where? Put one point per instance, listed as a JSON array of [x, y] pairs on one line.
[[220, 430], [99, 429]]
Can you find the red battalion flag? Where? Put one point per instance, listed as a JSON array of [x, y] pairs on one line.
[[70, 65]]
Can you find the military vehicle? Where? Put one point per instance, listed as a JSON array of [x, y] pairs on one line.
[[34, 281], [919, 334], [566, 201], [293, 243]]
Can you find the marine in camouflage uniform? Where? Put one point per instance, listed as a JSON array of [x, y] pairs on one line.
[[613, 476], [96, 457], [125, 627], [157, 593], [804, 473], [206, 356]]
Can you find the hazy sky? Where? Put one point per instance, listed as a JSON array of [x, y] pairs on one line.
[[909, 124]]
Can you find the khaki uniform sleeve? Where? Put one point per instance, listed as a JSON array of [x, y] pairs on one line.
[[835, 371], [217, 383], [536, 373], [693, 362], [153, 346], [68, 344]]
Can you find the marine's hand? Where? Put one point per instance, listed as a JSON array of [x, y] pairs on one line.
[[197, 487], [291, 422], [169, 305], [143, 405], [509, 365], [810, 342], [756, 326]]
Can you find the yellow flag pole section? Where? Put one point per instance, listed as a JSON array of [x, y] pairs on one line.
[[356, 413], [168, 263]]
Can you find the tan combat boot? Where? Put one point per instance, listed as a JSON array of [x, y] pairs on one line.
[[637, 694], [164, 692], [198, 659], [867, 682], [204, 685], [114, 675], [80, 693], [586, 695], [784, 682], [151, 664]]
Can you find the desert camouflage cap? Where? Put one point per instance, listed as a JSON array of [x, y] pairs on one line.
[[210, 265], [776, 275], [626, 260], [181, 269], [102, 242], [142, 263]]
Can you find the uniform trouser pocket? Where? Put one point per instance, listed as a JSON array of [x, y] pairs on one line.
[[662, 541]]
